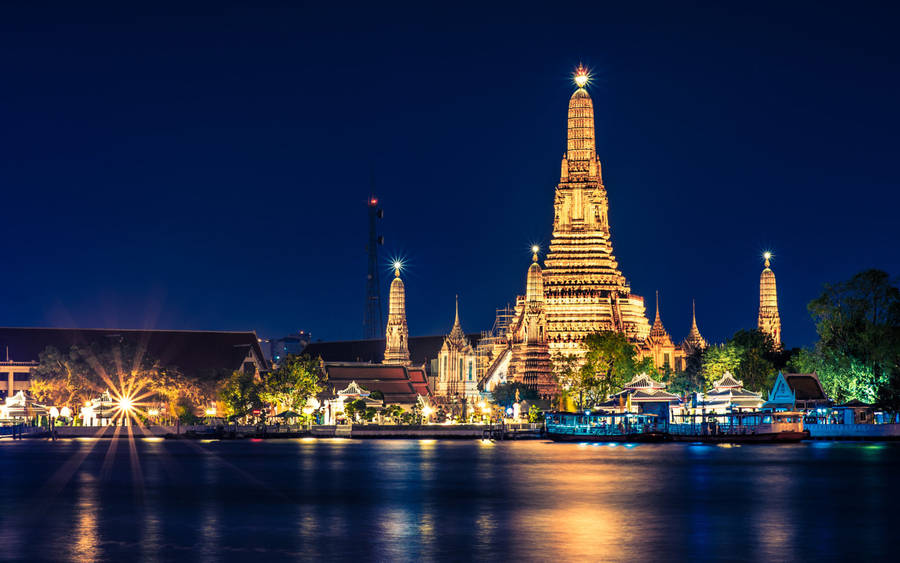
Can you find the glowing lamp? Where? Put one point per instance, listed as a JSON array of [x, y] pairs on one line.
[[426, 411], [767, 255], [211, 411], [582, 76], [125, 404], [153, 412], [54, 412], [65, 412]]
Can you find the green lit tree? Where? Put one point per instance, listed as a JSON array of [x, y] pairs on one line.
[[240, 394], [290, 385], [720, 359], [858, 352]]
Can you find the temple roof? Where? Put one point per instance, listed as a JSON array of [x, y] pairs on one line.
[[399, 384], [422, 349], [199, 353], [727, 381], [643, 381], [806, 386]]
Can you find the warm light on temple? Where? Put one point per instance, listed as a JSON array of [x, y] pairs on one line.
[[767, 255], [582, 76], [535, 249]]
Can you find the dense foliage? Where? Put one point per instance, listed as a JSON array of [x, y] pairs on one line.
[[858, 352]]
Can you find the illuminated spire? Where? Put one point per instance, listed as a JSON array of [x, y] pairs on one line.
[[769, 320], [581, 148], [534, 284], [396, 349], [658, 331], [694, 339]]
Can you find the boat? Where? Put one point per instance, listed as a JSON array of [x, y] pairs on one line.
[[602, 426], [738, 427]]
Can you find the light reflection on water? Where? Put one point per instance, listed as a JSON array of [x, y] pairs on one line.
[[461, 500]]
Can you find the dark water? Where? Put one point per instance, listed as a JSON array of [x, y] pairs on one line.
[[425, 500]]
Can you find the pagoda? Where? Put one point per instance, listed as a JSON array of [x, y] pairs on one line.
[[396, 349], [530, 359], [769, 320], [584, 290]]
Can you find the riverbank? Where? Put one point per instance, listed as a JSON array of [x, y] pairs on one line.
[[522, 431]]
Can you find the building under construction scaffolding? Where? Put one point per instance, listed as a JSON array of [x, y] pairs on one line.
[[493, 342]]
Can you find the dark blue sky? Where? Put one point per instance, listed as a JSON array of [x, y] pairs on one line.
[[207, 167]]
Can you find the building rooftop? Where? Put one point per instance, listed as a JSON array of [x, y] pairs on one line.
[[195, 353]]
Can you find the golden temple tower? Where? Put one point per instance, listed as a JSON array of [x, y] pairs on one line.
[[769, 319], [584, 290], [694, 340], [396, 350], [530, 362]]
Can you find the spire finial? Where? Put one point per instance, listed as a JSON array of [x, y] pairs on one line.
[[767, 255], [535, 250], [398, 265], [456, 321], [581, 76], [657, 304]]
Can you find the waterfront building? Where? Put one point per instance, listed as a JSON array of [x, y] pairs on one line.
[[206, 355], [645, 395], [101, 410], [797, 391], [20, 406], [769, 320], [529, 360], [334, 407], [397, 384], [396, 349], [694, 340], [456, 363], [584, 290], [658, 346], [728, 395]]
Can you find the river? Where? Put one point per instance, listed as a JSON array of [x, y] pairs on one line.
[[413, 500]]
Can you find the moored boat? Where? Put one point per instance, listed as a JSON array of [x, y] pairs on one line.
[[740, 427], [601, 426]]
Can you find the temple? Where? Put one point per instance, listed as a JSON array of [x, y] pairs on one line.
[[694, 340], [529, 362], [396, 349], [658, 346], [584, 291], [769, 320], [456, 376]]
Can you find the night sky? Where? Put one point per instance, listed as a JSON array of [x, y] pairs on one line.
[[207, 167]]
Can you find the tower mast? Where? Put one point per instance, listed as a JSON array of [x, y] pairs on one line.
[[373, 326]]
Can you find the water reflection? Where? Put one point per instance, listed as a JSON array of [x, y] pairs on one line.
[[86, 543], [427, 500]]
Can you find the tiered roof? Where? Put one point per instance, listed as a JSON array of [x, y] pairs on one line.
[[399, 384]]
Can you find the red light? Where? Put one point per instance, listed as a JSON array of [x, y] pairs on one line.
[[373, 202]]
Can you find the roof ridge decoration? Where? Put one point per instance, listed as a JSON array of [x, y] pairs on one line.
[[644, 381]]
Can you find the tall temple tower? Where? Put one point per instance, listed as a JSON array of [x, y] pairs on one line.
[[584, 290], [530, 362], [769, 319], [396, 350]]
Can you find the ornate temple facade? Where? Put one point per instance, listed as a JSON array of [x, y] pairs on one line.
[[584, 290], [658, 346], [530, 353], [456, 365], [769, 319], [396, 350]]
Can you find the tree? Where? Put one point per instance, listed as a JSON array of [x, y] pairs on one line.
[[355, 410], [535, 414], [759, 355], [858, 352], [720, 359], [609, 364], [393, 412], [240, 394], [295, 380], [505, 393]]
